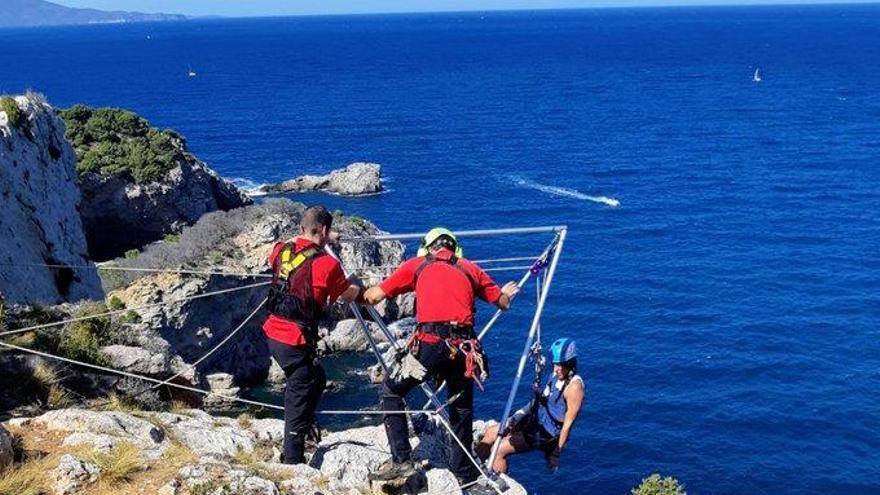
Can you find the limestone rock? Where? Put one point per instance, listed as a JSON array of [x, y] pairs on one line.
[[115, 424], [354, 180], [217, 479], [137, 360], [442, 482], [349, 336], [39, 221], [208, 436], [72, 475], [276, 374], [100, 442], [223, 390], [7, 455], [268, 430]]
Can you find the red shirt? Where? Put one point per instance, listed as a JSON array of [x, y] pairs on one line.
[[443, 293], [328, 283]]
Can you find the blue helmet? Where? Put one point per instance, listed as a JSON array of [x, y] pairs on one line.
[[563, 351]]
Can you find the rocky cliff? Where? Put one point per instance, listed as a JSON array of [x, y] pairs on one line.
[[139, 183], [39, 202]]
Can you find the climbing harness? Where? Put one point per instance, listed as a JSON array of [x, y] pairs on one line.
[[291, 296]]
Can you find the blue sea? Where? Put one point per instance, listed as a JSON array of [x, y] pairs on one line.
[[727, 311]]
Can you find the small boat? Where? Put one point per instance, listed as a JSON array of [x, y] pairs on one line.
[[757, 76], [192, 73]]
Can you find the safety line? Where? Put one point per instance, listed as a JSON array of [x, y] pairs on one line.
[[219, 345], [208, 392], [126, 310], [98, 266]]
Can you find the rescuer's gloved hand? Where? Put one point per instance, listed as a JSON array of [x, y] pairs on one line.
[[553, 459]]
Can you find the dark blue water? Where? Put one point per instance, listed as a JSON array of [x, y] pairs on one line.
[[727, 312]]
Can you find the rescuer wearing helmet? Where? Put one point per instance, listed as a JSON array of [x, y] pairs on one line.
[[546, 422], [444, 344], [305, 281]]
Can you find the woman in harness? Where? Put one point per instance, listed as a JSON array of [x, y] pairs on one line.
[[545, 423]]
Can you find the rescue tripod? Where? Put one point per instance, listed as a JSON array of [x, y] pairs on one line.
[[548, 259]]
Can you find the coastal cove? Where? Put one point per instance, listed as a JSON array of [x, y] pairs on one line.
[[727, 310]]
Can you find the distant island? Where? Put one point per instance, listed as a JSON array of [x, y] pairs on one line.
[[29, 13]]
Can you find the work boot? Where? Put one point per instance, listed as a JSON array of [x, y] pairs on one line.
[[390, 470], [313, 434]]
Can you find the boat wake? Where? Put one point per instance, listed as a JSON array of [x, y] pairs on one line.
[[562, 191]]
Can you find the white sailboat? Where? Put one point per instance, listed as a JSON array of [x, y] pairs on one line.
[[192, 73], [757, 76]]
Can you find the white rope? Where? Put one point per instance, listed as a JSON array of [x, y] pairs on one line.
[[208, 392], [137, 308], [138, 377], [99, 266], [218, 346]]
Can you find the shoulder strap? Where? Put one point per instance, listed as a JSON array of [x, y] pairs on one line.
[[288, 261]]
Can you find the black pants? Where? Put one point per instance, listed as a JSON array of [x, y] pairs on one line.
[[434, 357], [306, 381]]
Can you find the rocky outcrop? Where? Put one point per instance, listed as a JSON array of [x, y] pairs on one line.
[[234, 242], [39, 199], [354, 180], [73, 474], [7, 455], [240, 455], [119, 214]]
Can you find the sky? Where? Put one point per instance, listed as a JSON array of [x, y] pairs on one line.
[[236, 8]]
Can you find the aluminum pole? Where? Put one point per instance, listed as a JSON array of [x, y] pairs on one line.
[[460, 233]]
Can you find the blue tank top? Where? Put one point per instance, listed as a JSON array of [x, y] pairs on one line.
[[552, 416]]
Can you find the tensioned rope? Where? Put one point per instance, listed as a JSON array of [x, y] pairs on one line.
[[126, 310]]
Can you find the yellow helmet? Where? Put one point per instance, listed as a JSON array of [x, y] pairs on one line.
[[433, 235]]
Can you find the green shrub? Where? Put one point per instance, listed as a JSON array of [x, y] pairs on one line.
[[115, 304], [13, 113], [360, 222], [131, 317], [171, 237], [132, 254], [658, 485], [82, 340], [112, 141]]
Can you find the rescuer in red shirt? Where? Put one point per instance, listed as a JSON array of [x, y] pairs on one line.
[[444, 345], [305, 281]]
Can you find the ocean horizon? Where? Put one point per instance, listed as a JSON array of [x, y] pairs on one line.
[[722, 270]]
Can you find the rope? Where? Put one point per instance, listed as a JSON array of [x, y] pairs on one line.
[[98, 266], [208, 392], [137, 308], [138, 377]]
